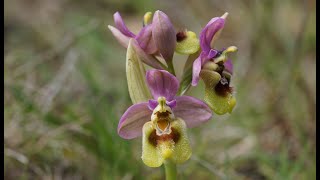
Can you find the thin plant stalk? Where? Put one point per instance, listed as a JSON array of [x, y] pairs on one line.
[[170, 170]]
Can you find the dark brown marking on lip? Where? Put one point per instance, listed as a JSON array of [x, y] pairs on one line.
[[181, 35], [154, 139], [223, 88]]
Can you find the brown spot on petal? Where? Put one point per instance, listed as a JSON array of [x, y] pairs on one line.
[[162, 115], [181, 35], [223, 88], [154, 139]]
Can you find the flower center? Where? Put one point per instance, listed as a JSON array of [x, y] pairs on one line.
[[162, 116]]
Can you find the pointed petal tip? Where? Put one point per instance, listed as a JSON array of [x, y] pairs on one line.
[[225, 15]]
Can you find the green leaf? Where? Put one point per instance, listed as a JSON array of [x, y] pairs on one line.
[[136, 79]]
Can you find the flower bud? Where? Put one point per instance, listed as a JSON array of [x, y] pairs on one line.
[[164, 35]]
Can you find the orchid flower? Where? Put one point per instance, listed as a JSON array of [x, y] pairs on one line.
[[214, 68], [156, 38], [123, 34], [162, 121]]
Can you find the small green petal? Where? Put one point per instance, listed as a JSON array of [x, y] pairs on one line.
[[189, 45], [135, 71], [219, 104]]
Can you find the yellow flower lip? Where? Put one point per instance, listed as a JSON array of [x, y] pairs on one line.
[[167, 153], [158, 148]]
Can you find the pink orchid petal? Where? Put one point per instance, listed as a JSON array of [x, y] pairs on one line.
[[208, 32], [132, 121], [197, 66], [228, 66], [146, 58], [121, 25], [146, 41], [162, 83], [212, 53], [152, 104], [172, 104], [164, 35], [192, 110], [122, 39]]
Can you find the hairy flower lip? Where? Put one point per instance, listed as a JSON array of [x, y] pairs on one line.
[[154, 138], [157, 148]]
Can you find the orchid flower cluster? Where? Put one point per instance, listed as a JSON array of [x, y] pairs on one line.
[[161, 113]]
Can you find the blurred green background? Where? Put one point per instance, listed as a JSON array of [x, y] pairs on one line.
[[65, 90]]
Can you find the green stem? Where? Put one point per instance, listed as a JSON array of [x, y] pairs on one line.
[[171, 170], [171, 68]]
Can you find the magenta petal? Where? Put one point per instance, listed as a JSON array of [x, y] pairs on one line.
[[146, 58], [212, 53], [121, 26], [228, 66], [132, 121], [162, 83], [208, 32], [193, 111], [196, 68], [172, 104], [164, 35], [152, 104], [145, 40], [122, 39]]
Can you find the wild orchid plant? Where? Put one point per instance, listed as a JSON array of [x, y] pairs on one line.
[[160, 112]]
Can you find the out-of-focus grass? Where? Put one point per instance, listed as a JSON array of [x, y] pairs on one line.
[[65, 89]]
